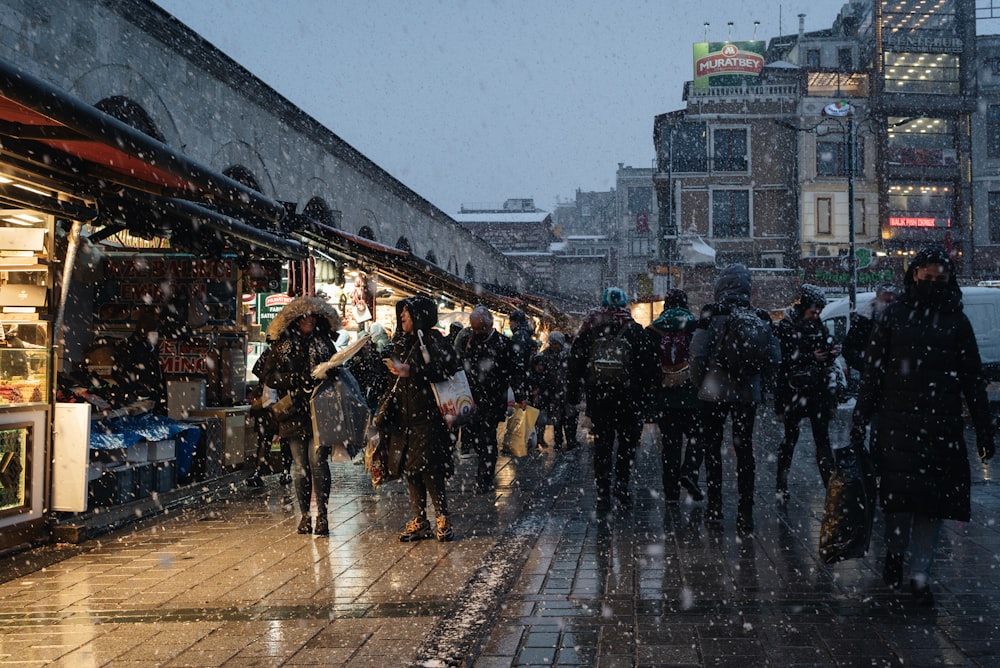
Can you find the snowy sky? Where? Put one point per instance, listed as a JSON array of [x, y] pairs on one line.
[[479, 101]]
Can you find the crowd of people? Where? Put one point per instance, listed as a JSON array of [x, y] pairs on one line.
[[688, 374]]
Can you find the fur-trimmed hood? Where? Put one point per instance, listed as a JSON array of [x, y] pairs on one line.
[[298, 307]]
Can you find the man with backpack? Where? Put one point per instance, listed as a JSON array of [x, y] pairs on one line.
[[674, 403], [611, 361], [732, 348]]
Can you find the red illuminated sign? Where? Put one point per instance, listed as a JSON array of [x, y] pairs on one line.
[[895, 221]]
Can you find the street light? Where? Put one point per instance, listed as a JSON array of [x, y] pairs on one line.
[[842, 109]]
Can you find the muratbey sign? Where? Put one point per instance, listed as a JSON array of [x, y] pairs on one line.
[[727, 63]]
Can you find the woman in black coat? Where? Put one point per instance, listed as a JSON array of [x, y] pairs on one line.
[[420, 447], [921, 360], [303, 332]]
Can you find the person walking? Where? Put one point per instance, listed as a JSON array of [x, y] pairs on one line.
[[491, 366], [732, 348], [420, 447], [304, 334], [802, 388], [612, 363], [549, 370], [921, 362], [674, 402]]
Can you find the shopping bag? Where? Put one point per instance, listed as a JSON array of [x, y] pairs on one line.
[[849, 510], [377, 458], [454, 398], [339, 416], [519, 428]]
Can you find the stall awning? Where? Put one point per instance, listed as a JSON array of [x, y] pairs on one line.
[[399, 267], [83, 154]]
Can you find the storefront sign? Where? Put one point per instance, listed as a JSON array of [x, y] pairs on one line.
[[134, 281], [832, 272], [727, 63], [268, 306], [911, 221]]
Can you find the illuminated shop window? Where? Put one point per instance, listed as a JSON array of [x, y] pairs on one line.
[[921, 141], [920, 205], [922, 73]]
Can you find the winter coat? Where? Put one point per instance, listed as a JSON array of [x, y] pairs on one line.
[[919, 364], [732, 289], [549, 371], [800, 375], [682, 397], [604, 400], [491, 366], [418, 437], [138, 372], [293, 356]]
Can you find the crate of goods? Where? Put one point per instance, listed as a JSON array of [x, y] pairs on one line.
[[108, 455], [164, 475], [143, 480], [137, 453], [115, 486], [161, 450]]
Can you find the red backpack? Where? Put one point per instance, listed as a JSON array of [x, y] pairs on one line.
[[673, 355]]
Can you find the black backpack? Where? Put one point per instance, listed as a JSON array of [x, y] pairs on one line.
[[610, 359], [743, 346]]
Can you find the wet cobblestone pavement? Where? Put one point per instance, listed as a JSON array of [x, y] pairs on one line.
[[536, 577]]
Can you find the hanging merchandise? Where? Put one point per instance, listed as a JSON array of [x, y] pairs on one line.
[[359, 300]]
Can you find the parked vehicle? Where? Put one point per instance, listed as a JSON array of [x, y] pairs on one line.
[[981, 305]]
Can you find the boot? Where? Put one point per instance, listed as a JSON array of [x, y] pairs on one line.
[[305, 524], [416, 529], [322, 526], [892, 572], [443, 530]]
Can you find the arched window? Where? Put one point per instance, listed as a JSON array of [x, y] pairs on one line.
[[367, 233], [319, 211], [404, 244], [131, 114], [470, 272], [431, 257], [453, 265], [241, 174]]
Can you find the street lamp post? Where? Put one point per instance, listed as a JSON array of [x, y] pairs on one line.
[[838, 110]]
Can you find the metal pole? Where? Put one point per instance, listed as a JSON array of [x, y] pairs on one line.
[[852, 261]]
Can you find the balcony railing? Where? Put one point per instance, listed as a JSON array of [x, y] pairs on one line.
[[742, 92]]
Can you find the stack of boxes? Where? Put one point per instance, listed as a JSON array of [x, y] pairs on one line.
[[127, 474]]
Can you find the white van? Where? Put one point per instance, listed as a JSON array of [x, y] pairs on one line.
[[981, 305]]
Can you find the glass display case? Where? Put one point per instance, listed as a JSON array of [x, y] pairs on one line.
[[24, 363]]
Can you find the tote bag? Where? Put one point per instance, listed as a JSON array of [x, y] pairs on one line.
[[520, 425], [454, 398]]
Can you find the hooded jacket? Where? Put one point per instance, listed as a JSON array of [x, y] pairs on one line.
[[800, 375], [732, 290], [921, 361], [418, 436], [293, 355]]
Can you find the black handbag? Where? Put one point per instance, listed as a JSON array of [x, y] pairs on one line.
[[388, 417]]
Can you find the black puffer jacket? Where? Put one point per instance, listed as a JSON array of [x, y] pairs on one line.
[[419, 438], [293, 355], [800, 375], [920, 362], [491, 366]]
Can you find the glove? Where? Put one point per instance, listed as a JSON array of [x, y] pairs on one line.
[[321, 370], [986, 446]]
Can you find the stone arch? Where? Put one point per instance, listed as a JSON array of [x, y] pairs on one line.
[[470, 272], [432, 257], [241, 174], [404, 244], [117, 80], [367, 233], [240, 154], [452, 265], [132, 114], [317, 209]]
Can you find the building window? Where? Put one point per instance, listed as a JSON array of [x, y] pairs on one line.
[[470, 272], [845, 60], [831, 158], [688, 148], [993, 131], [994, 212], [920, 205], [640, 200], [730, 213], [812, 57], [860, 217], [824, 215], [923, 73], [923, 141], [729, 150]]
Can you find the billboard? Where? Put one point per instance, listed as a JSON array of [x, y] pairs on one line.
[[727, 63]]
